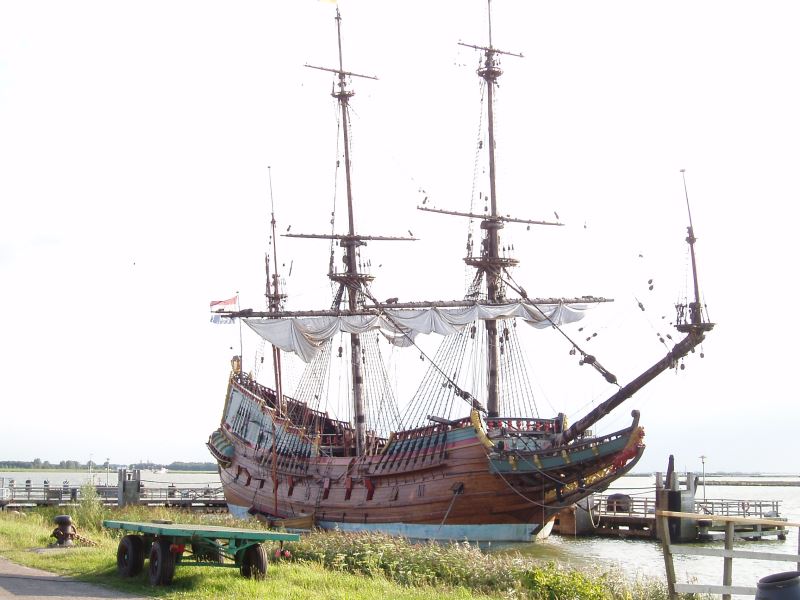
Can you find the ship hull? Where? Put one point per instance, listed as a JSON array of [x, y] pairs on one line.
[[446, 481]]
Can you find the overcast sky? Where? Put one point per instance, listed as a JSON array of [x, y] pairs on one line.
[[134, 145]]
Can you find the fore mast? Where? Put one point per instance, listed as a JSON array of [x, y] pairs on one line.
[[490, 264]]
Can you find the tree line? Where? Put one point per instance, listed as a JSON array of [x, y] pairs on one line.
[[74, 465]]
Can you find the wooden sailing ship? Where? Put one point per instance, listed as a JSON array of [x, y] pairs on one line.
[[469, 457]]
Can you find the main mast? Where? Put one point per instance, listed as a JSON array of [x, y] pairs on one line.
[[352, 282], [352, 279]]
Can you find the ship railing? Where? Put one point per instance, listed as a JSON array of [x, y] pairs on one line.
[[523, 424], [433, 429], [269, 396], [727, 553], [579, 445]]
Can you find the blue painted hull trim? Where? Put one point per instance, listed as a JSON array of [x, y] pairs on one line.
[[455, 533]]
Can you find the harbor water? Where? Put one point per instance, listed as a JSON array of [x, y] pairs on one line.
[[640, 557], [632, 557]]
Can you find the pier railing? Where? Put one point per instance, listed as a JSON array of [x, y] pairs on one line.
[[62, 495], [727, 553], [619, 505], [622, 504], [739, 508]]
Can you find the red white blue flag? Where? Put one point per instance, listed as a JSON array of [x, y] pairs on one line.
[[221, 304]]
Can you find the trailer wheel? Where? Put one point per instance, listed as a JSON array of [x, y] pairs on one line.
[[130, 555], [162, 563], [254, 562]]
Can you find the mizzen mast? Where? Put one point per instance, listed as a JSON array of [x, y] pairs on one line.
[[275, 298]]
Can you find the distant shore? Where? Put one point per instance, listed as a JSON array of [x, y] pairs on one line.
[[752, 483], [96, 471]]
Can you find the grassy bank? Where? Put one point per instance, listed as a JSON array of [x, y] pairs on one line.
[[323, 565], [20, 536]]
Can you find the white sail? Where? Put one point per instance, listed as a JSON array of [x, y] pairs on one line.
[[305, 335]]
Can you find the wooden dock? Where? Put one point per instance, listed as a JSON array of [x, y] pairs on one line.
[[195, 498], [634, 515], [622, 516]]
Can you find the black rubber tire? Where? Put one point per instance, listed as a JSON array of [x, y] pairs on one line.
[[253, 563], [162, 563], [130, 556]]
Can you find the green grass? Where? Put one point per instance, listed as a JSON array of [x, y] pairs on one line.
[[323, 565], [20, 535]]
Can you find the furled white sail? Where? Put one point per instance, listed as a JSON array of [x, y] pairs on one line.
[[305, 335]]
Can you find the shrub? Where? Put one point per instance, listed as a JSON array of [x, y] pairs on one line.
[[90, 511]]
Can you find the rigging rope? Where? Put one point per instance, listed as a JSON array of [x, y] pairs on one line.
[[475, 171], [586, 358], [463, 394]]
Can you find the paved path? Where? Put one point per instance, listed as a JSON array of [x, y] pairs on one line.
[[17, 581]]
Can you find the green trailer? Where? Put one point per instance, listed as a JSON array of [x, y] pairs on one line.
[[169, 544]]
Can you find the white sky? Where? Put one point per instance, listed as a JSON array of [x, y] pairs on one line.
[[134, 141]]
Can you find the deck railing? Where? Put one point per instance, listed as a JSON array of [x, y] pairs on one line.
[[727, 553]]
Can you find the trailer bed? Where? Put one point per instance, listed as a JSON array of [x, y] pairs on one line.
[[169, 544], [203, 531]]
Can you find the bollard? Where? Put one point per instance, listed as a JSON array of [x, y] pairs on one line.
[[780, 586], [65, 531]]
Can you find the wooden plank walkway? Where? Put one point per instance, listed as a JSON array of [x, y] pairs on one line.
[[623, 516]]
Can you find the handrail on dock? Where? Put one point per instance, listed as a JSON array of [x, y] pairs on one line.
[[727, 553], [162, 494]]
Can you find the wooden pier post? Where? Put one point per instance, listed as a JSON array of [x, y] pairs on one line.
[[727, 561], [128, 487], [667, 549]]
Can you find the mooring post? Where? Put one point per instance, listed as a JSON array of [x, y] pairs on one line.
[[121, 476]]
